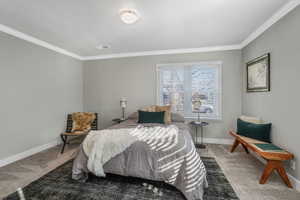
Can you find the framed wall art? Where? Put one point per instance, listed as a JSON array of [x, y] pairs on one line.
[[258, 74]]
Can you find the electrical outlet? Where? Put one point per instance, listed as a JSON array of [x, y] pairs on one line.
[[293, 164]]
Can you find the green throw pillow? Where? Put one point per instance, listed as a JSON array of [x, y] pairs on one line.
[[255, 131], [151, 117]]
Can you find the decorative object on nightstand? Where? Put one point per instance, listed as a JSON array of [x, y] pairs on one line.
[[70, 127], [196, 124], [196, 105], [118, 120], [123, 104]]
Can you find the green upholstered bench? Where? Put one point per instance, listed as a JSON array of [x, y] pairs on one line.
[[271, 153]]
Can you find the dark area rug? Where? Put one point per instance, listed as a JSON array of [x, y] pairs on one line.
[[58, 185]]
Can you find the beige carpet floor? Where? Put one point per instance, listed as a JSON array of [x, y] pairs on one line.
[[243, 172]]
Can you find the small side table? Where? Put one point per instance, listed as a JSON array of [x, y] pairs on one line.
[[118, 120], [197, 125]]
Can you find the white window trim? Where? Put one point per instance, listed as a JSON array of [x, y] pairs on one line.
[[220, 81]]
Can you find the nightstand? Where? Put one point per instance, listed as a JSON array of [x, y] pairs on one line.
[[199, 125], [118, 120]]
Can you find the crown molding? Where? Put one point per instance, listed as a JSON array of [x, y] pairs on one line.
[[283, 11], [28, 38], [163, 52], [31, 39], [272, 20]]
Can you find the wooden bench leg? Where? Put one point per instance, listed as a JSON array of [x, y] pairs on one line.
[[267, 171], [270, 167], [283, 175], [246, 149], [235, 144]]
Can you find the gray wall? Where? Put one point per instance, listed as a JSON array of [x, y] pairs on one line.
[[38, 87], [281, 105], [106, 81]]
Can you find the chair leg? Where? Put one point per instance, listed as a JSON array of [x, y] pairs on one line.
[[64, 139], [235, 144]]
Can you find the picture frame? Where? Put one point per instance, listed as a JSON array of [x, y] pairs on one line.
[[258, 74]]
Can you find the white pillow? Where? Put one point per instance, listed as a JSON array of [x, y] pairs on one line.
[[254, 120]]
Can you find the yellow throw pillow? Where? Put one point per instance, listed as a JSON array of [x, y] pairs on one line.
[[167, 110], [254, 120], [82, 121], [149, 109]]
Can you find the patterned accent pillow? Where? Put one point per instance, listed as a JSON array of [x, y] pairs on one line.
[[149, 109], [254, 120], [82, 121], [167, 110]]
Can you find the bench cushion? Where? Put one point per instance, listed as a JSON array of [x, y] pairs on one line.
[[255, 131], [269, 147]]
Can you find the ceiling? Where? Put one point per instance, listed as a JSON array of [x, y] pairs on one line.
[[78, 26]]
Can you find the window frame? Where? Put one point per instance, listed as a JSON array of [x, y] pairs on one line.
[[219, 66]]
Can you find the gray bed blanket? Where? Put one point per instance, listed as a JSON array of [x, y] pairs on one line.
[[172, 159]]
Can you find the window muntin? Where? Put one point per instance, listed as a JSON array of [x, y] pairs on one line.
[[180, 85]]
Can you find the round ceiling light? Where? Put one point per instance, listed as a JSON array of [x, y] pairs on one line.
[[129, 16]]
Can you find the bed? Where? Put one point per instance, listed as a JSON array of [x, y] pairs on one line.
[[171, 159]]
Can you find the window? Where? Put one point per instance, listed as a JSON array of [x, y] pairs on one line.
[[183, 85]]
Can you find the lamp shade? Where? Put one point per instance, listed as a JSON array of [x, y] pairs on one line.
[[123, 102], [196, 105]]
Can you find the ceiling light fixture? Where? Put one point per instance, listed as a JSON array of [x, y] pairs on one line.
[[129, 16]]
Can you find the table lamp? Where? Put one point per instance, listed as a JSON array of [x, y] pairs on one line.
[[123, 104], [196, 105]]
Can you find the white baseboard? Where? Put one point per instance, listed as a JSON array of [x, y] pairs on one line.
[[28, 153], [295, 182], [216, 140]]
